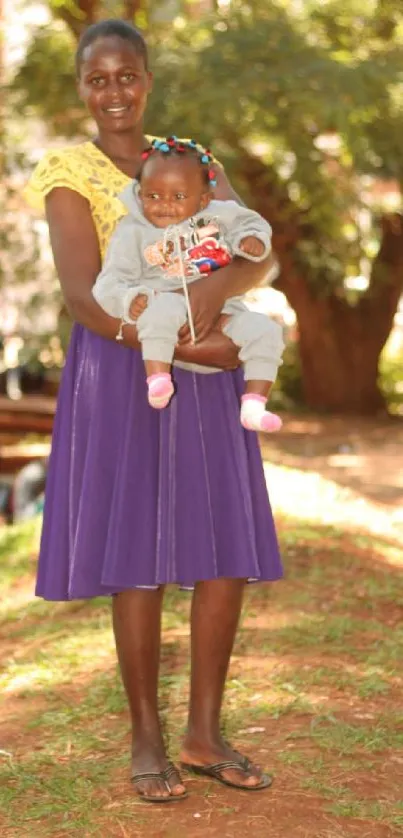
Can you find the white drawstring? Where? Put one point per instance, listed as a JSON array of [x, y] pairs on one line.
[[174, 232]]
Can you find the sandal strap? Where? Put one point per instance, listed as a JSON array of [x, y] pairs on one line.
[[170, 770], [245, 763], [148, 775], [223, 766]]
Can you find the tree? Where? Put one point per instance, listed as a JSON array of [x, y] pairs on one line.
[[28, 286], [302, 103], [301, 113], [78, 15]]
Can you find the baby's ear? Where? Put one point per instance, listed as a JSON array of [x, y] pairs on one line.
[[205, 200]]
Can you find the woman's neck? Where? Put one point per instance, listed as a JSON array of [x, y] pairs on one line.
[[123, 149]]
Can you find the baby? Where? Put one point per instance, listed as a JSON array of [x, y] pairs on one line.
[[173, 234]]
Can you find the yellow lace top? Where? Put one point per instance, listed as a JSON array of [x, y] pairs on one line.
[[86, 170]]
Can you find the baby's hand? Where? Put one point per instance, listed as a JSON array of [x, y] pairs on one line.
[[137, 306], [252, 246]]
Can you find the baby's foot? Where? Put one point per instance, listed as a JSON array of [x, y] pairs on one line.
[[254, 417], [160, 389]]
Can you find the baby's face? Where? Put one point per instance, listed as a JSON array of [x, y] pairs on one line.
[[172, 190]]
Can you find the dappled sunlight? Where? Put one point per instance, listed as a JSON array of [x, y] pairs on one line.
[[272, 619], [18, 599], [303, 102], [58, 659], [269, 699], [310, 496], [314, 674], [32, 677]]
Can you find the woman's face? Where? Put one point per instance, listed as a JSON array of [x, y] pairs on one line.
[[114, 84]]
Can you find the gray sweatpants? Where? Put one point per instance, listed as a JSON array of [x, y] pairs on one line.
[[260, 340]]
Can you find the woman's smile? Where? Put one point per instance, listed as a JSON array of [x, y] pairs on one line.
[[114, 83], [117, 110]]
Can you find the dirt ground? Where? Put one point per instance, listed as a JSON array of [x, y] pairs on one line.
[[357, 463], [347, 473], [361, 454]]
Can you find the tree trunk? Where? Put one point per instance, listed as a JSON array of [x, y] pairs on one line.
[[339, 358], [84, 12], [133, 8], [340, 344], [78, 15]]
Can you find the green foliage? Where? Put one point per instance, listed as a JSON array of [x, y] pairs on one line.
[[47, 76], [302, 103], [391, 379], [270, 88], [265, 81], [77, 14], [18, 246], [21, 268], [287, 393], [29, 291]]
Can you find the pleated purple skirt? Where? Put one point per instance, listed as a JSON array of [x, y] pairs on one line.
[[140, 497]]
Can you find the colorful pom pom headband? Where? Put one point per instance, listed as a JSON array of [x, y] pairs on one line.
[[172, 144]]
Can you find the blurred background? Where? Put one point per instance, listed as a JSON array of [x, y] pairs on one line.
[[302, 101]]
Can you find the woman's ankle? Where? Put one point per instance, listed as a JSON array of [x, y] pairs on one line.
[[154, 749], [202, 738]]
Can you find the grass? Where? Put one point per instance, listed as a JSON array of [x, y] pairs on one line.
[[315, 686]]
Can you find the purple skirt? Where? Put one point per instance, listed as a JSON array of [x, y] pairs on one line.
[[141, 497]]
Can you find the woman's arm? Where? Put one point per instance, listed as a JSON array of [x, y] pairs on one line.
[[77, 259], [75, 247], [240, 280], [208, 294]]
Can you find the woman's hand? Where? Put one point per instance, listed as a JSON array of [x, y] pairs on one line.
[[208, 294], [206, 302], [216, 350]]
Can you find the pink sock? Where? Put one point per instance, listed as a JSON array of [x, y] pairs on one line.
[[254, 416], [160, 389]]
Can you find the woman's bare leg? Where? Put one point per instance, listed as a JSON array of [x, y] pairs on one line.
[[137, 628], [216, 609]]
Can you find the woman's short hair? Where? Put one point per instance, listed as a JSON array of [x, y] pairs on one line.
[[113, 27]]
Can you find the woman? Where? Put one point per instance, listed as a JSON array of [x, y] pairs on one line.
[[136, 499]]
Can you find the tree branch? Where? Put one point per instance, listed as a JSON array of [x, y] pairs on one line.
[[90, 11], [87, 13], [271, 200], [132, 7], [378, 305]]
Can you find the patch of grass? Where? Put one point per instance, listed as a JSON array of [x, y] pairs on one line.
[[361, 681], [57, 791], [345, 804], [321, 638], [18, 545], [334, 734], [336, 636], [102, 699], [74, 647]]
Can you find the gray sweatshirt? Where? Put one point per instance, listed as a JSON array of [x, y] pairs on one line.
[[143, 257]]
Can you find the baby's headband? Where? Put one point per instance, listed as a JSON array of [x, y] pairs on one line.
[[183, 147]]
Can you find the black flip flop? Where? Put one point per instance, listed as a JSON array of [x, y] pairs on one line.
[[215, 771], [161, 775]]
